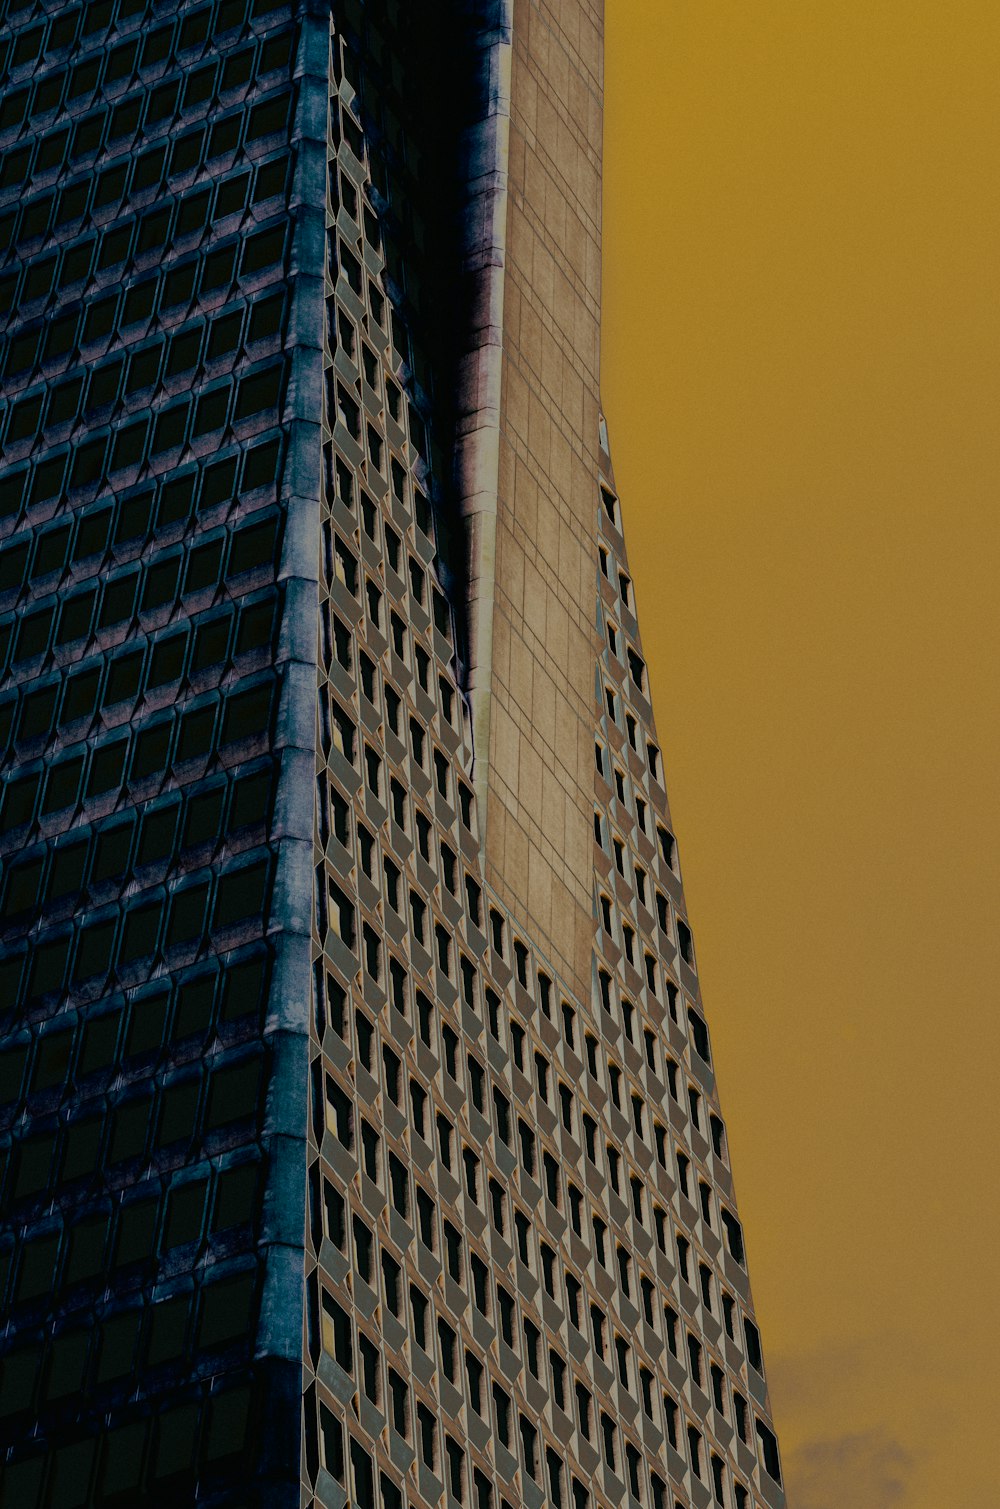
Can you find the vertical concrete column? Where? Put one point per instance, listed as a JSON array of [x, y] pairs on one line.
[[528, 460]]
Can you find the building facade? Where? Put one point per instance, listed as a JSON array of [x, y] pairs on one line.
[[359, 1137]]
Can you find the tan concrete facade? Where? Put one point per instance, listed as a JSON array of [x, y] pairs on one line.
[[538, 838]]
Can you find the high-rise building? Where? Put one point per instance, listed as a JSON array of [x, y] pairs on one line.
[[359, 1137]]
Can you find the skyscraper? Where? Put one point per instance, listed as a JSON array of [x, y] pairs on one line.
[[360, 1139]]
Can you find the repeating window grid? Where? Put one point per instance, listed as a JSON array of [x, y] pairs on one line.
[[362, 631], [715, 1118], [144, 625]]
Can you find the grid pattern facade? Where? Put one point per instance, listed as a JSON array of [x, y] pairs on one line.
[[145, 229], [527, 1280], [322, 1183]]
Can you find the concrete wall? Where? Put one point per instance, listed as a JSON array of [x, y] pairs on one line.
[[533, 566]]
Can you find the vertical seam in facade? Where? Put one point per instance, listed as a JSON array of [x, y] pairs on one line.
[[477, 458]]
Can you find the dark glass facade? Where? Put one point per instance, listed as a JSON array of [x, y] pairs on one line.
[[146, 224]]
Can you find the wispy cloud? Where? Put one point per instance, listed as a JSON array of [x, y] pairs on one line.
[[812, 1379], [867, 1471]]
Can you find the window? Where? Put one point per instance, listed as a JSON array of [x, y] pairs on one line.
[[391, 1073], [671, 1414], [699, 1033], [468, 970], [557, 1368], [477, 1081], [505, 1305], [339, 1113], [694, 1450], [338, 1335], [637, 670], [670, 1319], [608, 1437], [453, 1246], [554, 1464], [399, 1184], [473, 896], [370, 1371], [501, 1408], [363, 1247], [498, 1207], [456, 1469], [480, 1284], [445, 1131], [754, 1355], [425, 1218], [418, 1107], [529, 1447], [418, 1315], [622, 1357], [598, 1322], [566, 1100], [532, 1338], [527, 1140], [427, 1431], [332, 1436], [399, 1404], [769, 1451], [474, 1374], [632, 1460], [501, 1106], [683, 1262], [335, 1213], [734, 1236], [583, 1410], [522, 1226], [447, 1341]]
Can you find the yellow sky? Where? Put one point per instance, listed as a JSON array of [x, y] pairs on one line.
[[801, 371]]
